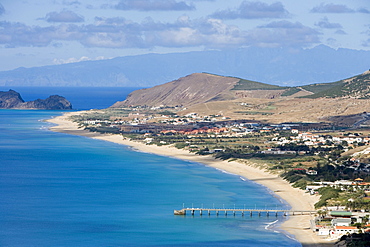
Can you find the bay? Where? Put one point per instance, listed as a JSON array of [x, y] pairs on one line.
[[62, 190]]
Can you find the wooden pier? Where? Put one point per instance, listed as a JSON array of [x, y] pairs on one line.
[[234, 211]]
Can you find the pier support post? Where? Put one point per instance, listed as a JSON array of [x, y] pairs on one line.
[[200, 212], [267, 213], [217, 213], [192, 212], [251, 214], [259, 214]]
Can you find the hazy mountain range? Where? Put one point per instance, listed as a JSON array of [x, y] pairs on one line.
[[279, 66]]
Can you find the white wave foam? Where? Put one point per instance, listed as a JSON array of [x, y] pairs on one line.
[[269, 225]]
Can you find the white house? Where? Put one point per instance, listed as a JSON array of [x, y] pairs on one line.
[[339, 231], [341, 222]]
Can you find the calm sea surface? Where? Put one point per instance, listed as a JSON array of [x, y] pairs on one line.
[[82, 98], [63, 190]]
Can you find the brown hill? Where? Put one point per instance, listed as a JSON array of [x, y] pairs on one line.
[[189, 90], [236, 98], [201, 88]]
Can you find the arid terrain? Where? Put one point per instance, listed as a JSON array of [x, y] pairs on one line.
[[344, 101]]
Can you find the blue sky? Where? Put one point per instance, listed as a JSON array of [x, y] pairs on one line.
[[47, 32]]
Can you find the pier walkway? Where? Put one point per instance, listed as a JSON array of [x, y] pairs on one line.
[[234, 211]]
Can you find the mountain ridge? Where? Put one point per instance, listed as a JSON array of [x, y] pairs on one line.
[[280, 66]]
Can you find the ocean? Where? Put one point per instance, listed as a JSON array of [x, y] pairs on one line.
[[82, 98], [63, 190]]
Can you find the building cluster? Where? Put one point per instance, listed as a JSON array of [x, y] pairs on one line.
[[343, 185], [309, 139], [339, 223], [190, 124]]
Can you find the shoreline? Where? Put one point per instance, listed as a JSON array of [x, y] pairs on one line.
[[297, 226]]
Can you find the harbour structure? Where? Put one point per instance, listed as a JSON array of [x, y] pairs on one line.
[[234, 211]]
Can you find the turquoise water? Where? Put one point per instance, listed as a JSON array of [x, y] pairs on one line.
[[62, 190]]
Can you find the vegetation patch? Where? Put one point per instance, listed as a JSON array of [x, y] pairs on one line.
[[254, 113], [253, 85], [291, 91]]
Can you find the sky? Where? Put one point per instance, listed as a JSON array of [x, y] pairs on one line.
[[47, 32]]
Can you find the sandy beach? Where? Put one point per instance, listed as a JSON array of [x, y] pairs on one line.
[[298, 225]]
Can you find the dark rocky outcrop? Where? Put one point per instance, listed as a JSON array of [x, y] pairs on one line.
[[10, 99], [13, 100]]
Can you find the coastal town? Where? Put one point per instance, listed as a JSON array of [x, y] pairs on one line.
[[315, 157]]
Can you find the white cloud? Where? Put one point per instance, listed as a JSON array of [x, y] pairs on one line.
[[63, 16], [185, 32], [341, 32], [324, 23], [285, 33], [153, 5], [76, 60], [337, 9], [2, 10], [71, 2], [253, 10]]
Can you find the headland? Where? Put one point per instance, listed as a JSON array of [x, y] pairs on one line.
[[298, 225]]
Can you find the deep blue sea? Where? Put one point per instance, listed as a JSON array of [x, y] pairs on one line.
[[63, 190], [82, 98]]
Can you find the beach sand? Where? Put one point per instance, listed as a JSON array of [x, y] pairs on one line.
[[298, 225]]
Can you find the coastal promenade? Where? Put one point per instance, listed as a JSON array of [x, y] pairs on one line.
[[234, 211]]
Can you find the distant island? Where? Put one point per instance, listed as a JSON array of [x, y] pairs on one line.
[[280, 66], [13, 100]]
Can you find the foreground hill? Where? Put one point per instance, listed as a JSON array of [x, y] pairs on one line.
[[200, 88], [13, 100], [237, 98], [354, 87]]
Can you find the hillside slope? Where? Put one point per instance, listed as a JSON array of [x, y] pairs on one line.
[[189, 90], [236, 98], [354, 87]]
